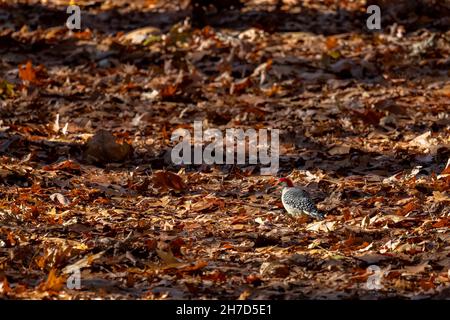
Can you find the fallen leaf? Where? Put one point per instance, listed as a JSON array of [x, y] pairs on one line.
[[372, 258], [331, 42], [167, 257], [83, 262], [53, 282], [27, 72], [168, 91], [271, 269], [406, 209], [167, 179], [416, 269], [339, 150], [61, 199], [325, 226], [4, 287], [102, 148]]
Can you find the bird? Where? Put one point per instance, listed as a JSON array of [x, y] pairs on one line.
[[297, 201]]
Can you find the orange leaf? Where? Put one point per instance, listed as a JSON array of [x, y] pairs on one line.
[[199, 265], [4, 286], [273, 90], [27, 72], [67, 165], [83, 35], [168, 91], [227, 246], [406, 209], [445, 91], [11, 239], [53, 283], [441, 223], [40, 262], [331, 43], [427, 284]]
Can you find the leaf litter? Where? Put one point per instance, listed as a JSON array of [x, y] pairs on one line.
[[364, 125]]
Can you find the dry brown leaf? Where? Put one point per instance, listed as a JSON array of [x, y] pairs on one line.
[[325, 226], [417, 269], [83, 262], [442, 223], [272, 269], [339, 150], [445, 91], [406, 209], [170, 180], [167, 257], [240, 86], [372, 258], [197, 266], [168, 91], [102, 148]]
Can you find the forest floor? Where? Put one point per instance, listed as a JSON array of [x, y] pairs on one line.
[[364, 126]]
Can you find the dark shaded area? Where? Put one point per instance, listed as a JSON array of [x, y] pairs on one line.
[[15, 51], [422, 14]]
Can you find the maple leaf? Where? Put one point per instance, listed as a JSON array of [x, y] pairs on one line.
[[27, 73]]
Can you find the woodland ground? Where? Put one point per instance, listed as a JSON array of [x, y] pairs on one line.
[[364, 122]]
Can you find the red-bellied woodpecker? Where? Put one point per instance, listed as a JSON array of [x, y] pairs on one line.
[[297, 201]]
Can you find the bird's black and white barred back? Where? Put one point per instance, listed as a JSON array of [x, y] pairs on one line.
[[297, 201]]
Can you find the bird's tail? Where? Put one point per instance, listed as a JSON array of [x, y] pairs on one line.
[[318, 215]]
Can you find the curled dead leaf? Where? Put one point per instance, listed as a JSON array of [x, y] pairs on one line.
[[60, 198]]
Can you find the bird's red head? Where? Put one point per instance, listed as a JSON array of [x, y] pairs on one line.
[[286, 181]]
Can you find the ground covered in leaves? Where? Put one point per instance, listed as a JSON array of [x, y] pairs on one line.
[[364, 123]]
